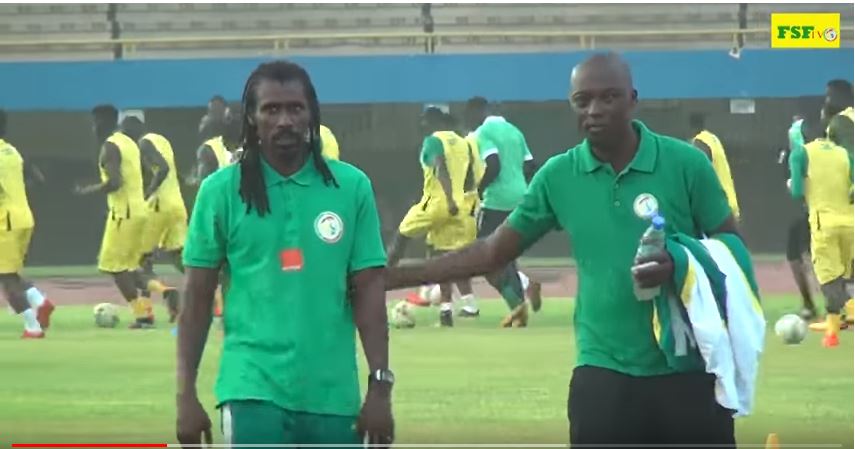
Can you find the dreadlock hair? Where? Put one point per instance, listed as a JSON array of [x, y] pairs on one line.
[[253, 191]]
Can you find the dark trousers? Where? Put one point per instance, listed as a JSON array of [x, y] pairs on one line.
[[606, 407]]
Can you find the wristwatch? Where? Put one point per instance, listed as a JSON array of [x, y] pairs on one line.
[[382, 375]]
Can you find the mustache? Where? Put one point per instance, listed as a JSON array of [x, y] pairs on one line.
[[286, 133]]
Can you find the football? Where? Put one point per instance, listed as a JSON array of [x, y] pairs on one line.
[[791, 328], [106, 315], [401, 316]]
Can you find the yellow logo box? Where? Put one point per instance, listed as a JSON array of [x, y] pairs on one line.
[[808, 30]]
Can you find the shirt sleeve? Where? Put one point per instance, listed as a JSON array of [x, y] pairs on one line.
[[798, 170], [527, 156], [431, 148], [535, 217], [205, 245], [486, 144], [706, 196], [368, 251]]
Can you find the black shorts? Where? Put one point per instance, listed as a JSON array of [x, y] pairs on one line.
[[798, 238], [608, 407], [490, 220]]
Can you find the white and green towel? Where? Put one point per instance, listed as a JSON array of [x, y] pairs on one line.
[[712, 319]]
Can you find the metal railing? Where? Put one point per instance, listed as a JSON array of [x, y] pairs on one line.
[[281, 42]]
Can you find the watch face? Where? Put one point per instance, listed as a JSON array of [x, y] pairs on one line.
[[384, 376]]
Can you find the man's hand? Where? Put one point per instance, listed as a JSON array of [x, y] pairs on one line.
[[452, 208], [653, 271], [375, 424], [192, 423]]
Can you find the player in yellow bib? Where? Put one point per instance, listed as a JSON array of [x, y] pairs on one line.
[[167, 215], [16, 230], [216, 152], [445, 163], [821, 173], [166, 223], [707, 142], [838, 103], [121, 247]]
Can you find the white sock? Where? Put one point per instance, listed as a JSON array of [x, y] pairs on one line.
[[469, 303], [35, 297], [30, 322], [523, 280], [445, 307]]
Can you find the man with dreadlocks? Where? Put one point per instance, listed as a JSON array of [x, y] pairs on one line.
[[299, 237], [121, 248]]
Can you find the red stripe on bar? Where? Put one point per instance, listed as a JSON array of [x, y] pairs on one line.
[[81, 445]]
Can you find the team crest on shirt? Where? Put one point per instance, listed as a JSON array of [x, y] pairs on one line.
[[329, 227], [645, 206]]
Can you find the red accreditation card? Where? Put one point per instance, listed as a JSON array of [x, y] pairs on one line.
[[291, 259]]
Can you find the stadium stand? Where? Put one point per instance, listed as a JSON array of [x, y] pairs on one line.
[[55, 23], [222, 30]]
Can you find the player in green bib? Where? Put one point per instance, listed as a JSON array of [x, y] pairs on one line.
[[508, 167], [299, 239]]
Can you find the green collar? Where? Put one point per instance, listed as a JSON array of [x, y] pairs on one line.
[[303, 177], [645, 157]]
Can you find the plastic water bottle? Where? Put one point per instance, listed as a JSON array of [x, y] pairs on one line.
[[652, 242]]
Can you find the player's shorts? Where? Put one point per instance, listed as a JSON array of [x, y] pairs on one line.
[[798, 238], [165, 229], [459, 231], [490, 220], [831, 252], [121, 246], [14, 245], [263, 423]]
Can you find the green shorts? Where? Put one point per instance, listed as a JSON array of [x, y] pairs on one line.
[[262, 422]]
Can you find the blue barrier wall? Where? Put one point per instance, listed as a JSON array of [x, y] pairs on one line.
[[419, 78]]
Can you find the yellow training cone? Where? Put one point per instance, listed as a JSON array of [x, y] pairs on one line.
[[772, 441]]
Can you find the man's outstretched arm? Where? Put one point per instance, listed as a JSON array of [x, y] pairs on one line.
[[482, 257]]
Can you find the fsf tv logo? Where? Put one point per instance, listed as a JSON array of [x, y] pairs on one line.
[[805, 30]]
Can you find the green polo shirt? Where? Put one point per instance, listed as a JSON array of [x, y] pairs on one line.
[[289, 330], [576, 192]]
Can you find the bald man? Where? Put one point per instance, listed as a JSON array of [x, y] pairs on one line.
[[623, 391]]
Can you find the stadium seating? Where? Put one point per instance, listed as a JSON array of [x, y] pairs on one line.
[[238, 22], [54, 22]]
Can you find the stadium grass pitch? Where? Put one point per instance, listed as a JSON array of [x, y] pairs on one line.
[[475, 383]]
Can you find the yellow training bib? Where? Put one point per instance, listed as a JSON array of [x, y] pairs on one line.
[[15, 210], [827, 190], [721, 167], [224, 157], [128, 199], [329, 144], [168, 195]]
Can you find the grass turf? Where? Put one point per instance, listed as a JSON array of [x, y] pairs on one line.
[[471, 384]]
